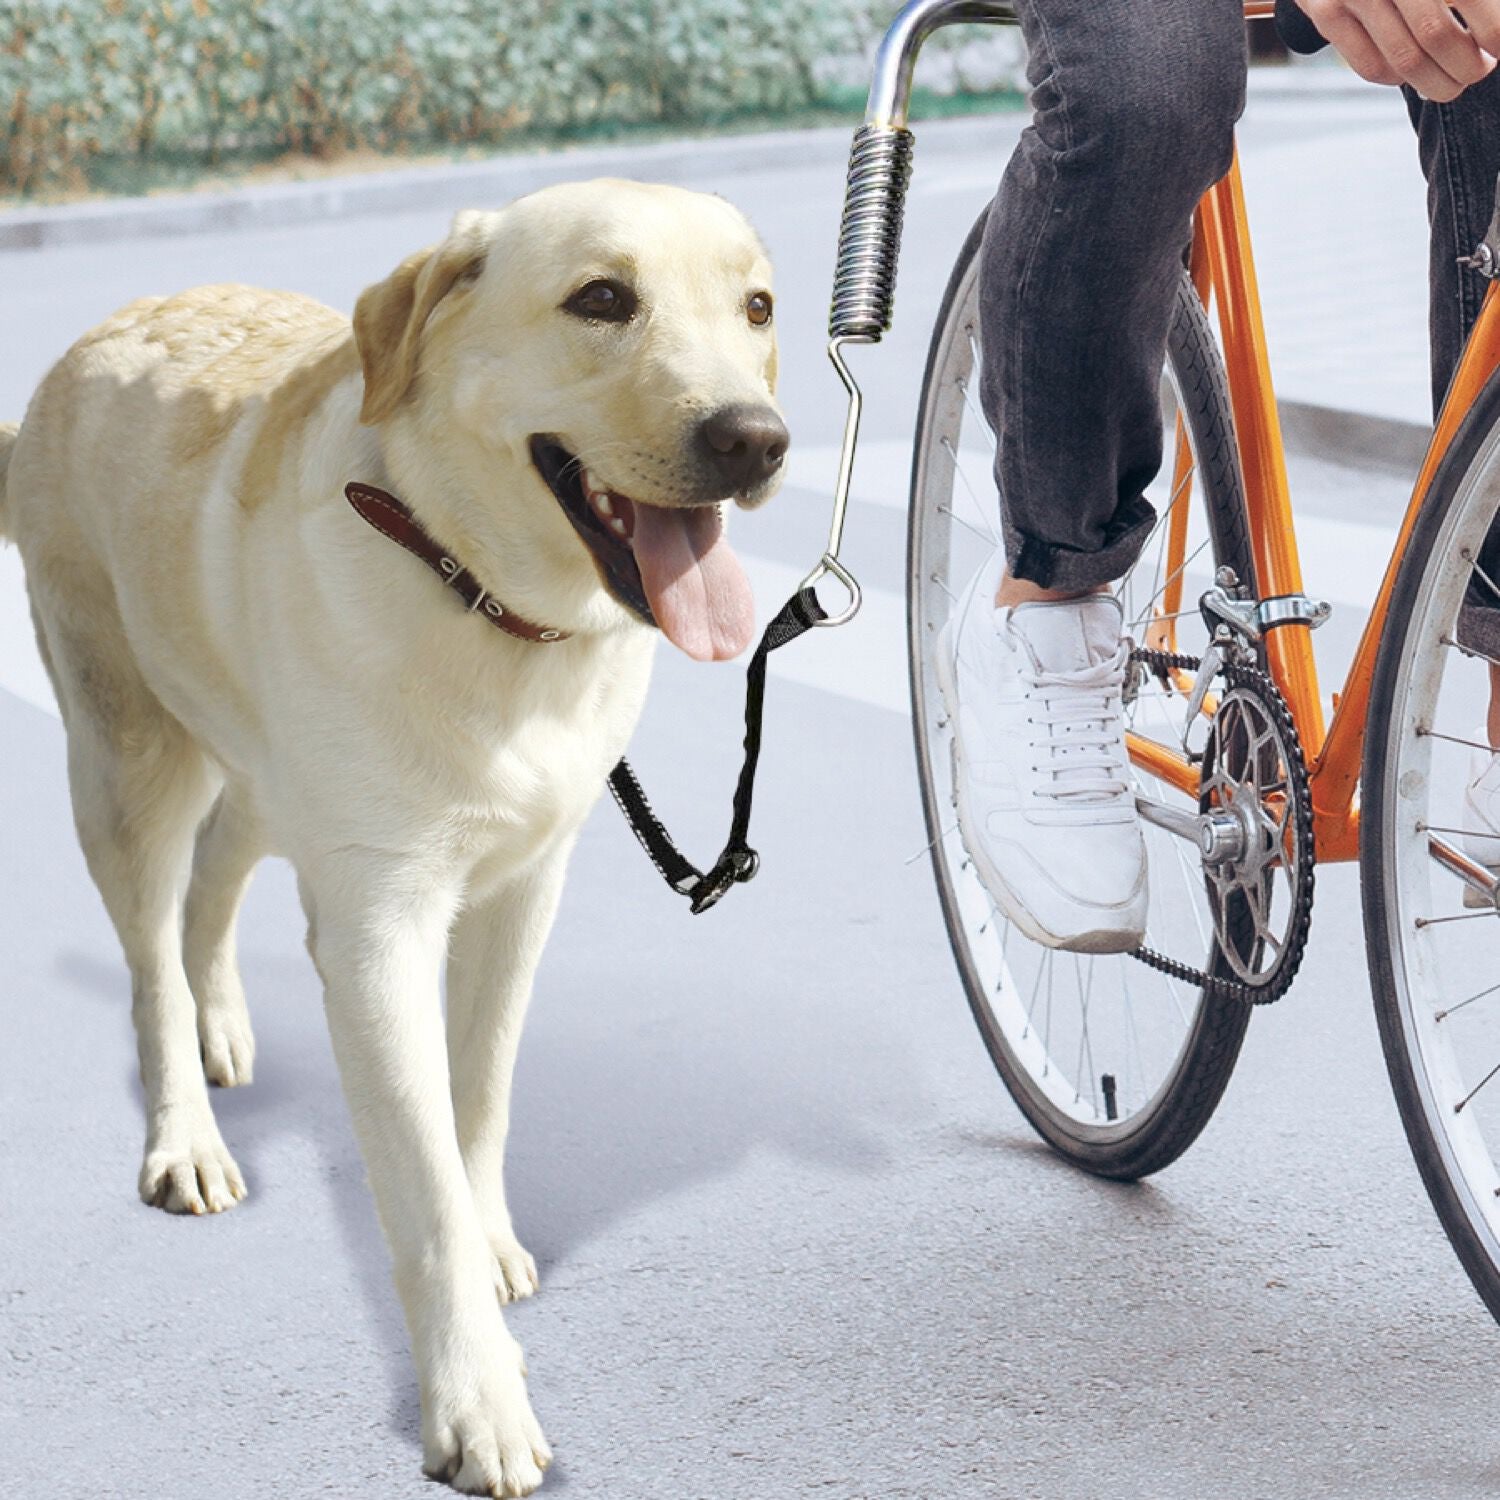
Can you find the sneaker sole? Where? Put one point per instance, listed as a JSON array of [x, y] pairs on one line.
[[1104, 940]]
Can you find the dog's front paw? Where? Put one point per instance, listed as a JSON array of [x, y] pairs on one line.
[[514, 1269], [188, 1170], [482, 1437]]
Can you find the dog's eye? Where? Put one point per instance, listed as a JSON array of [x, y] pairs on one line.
[[604, 301], [758, 308]]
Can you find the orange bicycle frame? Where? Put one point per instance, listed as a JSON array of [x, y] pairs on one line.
[[1224, 273]]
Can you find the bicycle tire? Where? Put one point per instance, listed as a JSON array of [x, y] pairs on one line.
[[1462, 1184], [1160, 1132]]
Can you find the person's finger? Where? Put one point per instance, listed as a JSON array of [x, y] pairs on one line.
[[1440, 34], [1352, 42], [1389, 31], [1482, 17]]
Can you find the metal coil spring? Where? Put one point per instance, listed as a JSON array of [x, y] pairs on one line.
[[864, 281]]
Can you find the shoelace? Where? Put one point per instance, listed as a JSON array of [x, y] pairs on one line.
[[1082, 731]]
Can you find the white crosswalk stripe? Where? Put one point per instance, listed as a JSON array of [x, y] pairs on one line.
[[865, 660], [1341, 560]]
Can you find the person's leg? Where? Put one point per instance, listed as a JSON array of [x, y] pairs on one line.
[[1135, 108], [1459, 147], [1134, 113]]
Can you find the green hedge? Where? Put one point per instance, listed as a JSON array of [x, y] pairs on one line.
[[84, 81]]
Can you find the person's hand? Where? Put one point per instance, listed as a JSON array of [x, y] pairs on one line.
[[1437, 48]]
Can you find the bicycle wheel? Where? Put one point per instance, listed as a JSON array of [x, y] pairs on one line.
[[1432, 956], [1116, 1065]]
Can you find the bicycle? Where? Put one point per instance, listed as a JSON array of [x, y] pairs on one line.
[[1119, 1062]]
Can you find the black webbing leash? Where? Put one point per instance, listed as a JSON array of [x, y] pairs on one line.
[[738, 862]]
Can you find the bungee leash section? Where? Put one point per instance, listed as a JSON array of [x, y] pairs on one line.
[[864, 286], [738, 862]]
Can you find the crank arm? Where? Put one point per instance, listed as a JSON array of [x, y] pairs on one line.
[[1217, 835], [1479, 882]]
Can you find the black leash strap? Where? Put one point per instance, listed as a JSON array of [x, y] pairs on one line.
[[739, 861]]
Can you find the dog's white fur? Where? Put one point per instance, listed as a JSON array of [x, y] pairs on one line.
[[245, 667]]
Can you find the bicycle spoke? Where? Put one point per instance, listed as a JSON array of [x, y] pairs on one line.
[[984, 536], [981, 509], [1468, 833], [1443, 1015], [1453, 739], [1167, 507], [1467, 1098], [1180, 568], [1084, 1067], [927, 848], [951, 598], [981, 421], [1474, 563], [1161, 616], [1189, 879], [1175, 991], [1036, 989], [1468, 916]]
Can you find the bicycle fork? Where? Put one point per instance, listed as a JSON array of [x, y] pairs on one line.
[[864, 279]]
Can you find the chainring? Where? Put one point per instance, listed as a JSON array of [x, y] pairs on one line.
[[1247, 685]]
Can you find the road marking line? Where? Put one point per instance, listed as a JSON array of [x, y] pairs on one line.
[[1343, 561], [864, 661]]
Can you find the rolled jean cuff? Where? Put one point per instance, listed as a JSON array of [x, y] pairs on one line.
[[1479, 629], [1052, 566]]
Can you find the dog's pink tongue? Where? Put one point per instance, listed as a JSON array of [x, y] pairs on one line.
[[695, 584]]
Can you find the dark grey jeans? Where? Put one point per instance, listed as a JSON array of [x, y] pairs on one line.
[[1459, 147], [1134, 109]]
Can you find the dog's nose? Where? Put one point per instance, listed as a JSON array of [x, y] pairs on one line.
[[743, 445]]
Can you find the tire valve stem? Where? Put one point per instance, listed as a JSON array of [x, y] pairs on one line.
[[1107, 1082]]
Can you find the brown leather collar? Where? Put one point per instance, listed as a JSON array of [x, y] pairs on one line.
[[391, 518]]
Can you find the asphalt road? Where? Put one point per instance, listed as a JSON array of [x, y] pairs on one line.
[[794, 1239]]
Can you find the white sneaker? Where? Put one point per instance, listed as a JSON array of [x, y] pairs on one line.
[[1482, 811], [1043, 789]]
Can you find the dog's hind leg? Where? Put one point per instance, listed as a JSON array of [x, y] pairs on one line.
[[229, 847], [140, 786], [492, 958]]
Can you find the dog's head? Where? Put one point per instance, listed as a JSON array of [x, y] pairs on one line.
[[617, 341]]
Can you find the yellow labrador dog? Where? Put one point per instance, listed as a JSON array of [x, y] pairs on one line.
[[551, 408]]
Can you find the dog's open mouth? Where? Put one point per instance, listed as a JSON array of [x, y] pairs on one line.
[[670, 565]]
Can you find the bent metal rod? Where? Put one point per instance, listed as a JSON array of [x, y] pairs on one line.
[[864, 280]]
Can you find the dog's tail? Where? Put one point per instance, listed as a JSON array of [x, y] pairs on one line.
[[8, 431]]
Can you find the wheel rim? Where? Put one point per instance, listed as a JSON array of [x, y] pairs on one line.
[[1091, 1046], [1442, 954]]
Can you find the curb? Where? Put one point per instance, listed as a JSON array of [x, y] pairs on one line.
[[1355, 440], [500, 178], [459, 185]]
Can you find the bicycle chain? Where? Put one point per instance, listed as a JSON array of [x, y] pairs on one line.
[[1279, 980]]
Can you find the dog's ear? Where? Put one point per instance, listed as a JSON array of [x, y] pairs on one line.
[[389, 316]]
